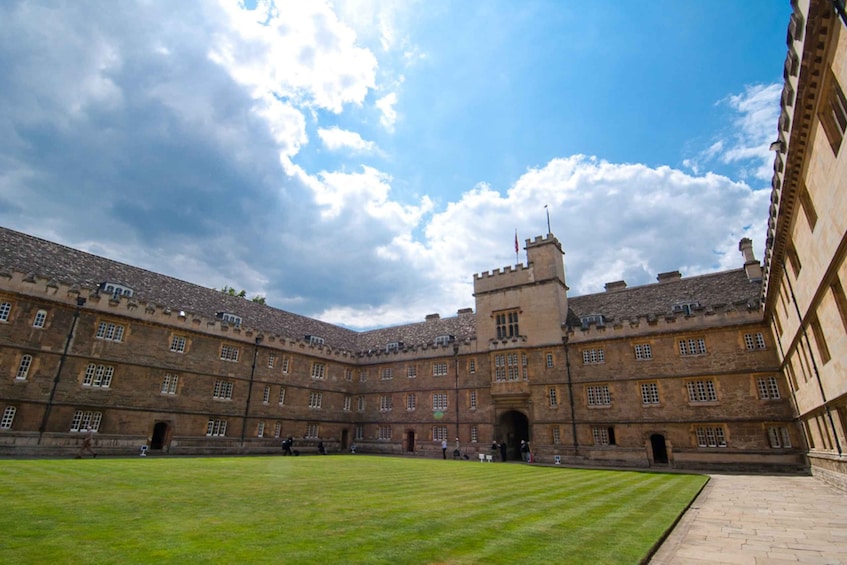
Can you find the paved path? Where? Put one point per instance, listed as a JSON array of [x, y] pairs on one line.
[[747, 519]]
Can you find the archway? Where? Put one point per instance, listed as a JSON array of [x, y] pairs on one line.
[[512, 427], [660, 450]]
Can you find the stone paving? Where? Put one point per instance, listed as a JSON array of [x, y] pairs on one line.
[[749, 519]]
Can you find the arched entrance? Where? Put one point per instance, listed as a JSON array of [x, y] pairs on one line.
[[512, 427], [160, 436], [660, 451]]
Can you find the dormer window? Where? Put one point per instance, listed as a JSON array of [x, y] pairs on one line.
[[686, 308], [444, 339], [394, 346], [229, 318], [314, 340], [596, 319], [116, 290]]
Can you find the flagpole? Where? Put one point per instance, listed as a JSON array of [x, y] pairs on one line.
[[548, 219]]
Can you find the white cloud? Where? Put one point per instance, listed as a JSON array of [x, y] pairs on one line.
[[335, 138], [386, 107]]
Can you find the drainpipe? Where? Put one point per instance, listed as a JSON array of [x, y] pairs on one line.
[[814, 363], [250, 390], [80, 302], [570, 393], [456, 356]]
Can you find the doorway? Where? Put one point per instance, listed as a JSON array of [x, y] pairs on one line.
[[160, 436], [660, 450], [512, 427], [410, 442], [344, 439]]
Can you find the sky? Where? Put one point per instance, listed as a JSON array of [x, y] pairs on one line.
[[359, 161]]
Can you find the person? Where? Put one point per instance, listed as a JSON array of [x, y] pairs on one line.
[[286, 445], [87, 443], [444, 448], [525, 451], [504, 452], [321, 448], [353, 448], [495, 448]]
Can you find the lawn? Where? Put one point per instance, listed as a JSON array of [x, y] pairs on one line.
[[327, 510]]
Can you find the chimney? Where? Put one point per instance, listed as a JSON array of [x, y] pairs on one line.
[[430, 317], [751, 265], [616, 285], [463, 311], [669, 276]]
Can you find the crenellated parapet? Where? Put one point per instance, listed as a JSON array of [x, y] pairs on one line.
[[505, 277], [700, 319], [93, 299]]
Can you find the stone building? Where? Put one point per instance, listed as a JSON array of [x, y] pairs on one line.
[[805, 268], [679, 373]]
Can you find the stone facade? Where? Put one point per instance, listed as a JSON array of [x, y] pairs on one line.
[[682, 373], [805, 265]]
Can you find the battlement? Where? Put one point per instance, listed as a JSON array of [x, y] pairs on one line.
[[542, 239], [95, 300], [503, 278], [719, 316]]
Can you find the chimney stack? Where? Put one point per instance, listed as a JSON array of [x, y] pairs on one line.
[[751, 265]]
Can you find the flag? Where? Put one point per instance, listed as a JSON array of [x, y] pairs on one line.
[[517, 249]]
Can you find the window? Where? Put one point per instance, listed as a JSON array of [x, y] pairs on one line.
[[808, 207], [83, 420], [820, 340], [271, 360], [794, 260], [439, 369], [702, 391], [592, 356], [778, 437], [315, 399], [472, 400], [499, 368], [312, 431], [596, 319], [363, 376], [277, 429], [116, 290], [549, 360], [315, 340], [411, 401], [260, 431], [506, 364], [348, 403], [439, 433], [23, 368], [649, 394], [229, 353], [768, 388], [710, 437], [392, 346], [693, 346], [110, 332], [40, 319], [474, 434], [599, 395], [551, 395], [178, 344], [833, 112], [387, 373], [318, 371], [222, 390], [384, 433], [686, 308], [360, 404], [230, 318], [348, 375], [411, 371], [643, 351], [439, 402], [266, 395], [524, 369], [8, 418], [443, 339], [169, 383], [754, 341], [98, 376], [281, 400], [603, 436], [556, 434], [285, 361], [5, 309], [385, 403], [472, 366], [507, 324], [360, 432], [216, 428]]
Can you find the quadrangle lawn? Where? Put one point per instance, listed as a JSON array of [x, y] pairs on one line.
[[333, 509]]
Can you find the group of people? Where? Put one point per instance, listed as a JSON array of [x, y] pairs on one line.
[[502, 449], [288, 443]]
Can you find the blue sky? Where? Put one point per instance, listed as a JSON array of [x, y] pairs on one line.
[[359, 161]]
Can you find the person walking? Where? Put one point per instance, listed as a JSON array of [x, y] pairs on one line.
[[495, 449], [286, 445], [444, 448], [504, 452], [525, 454], [87, 443]]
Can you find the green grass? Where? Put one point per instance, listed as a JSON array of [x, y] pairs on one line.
[[327, 510]]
